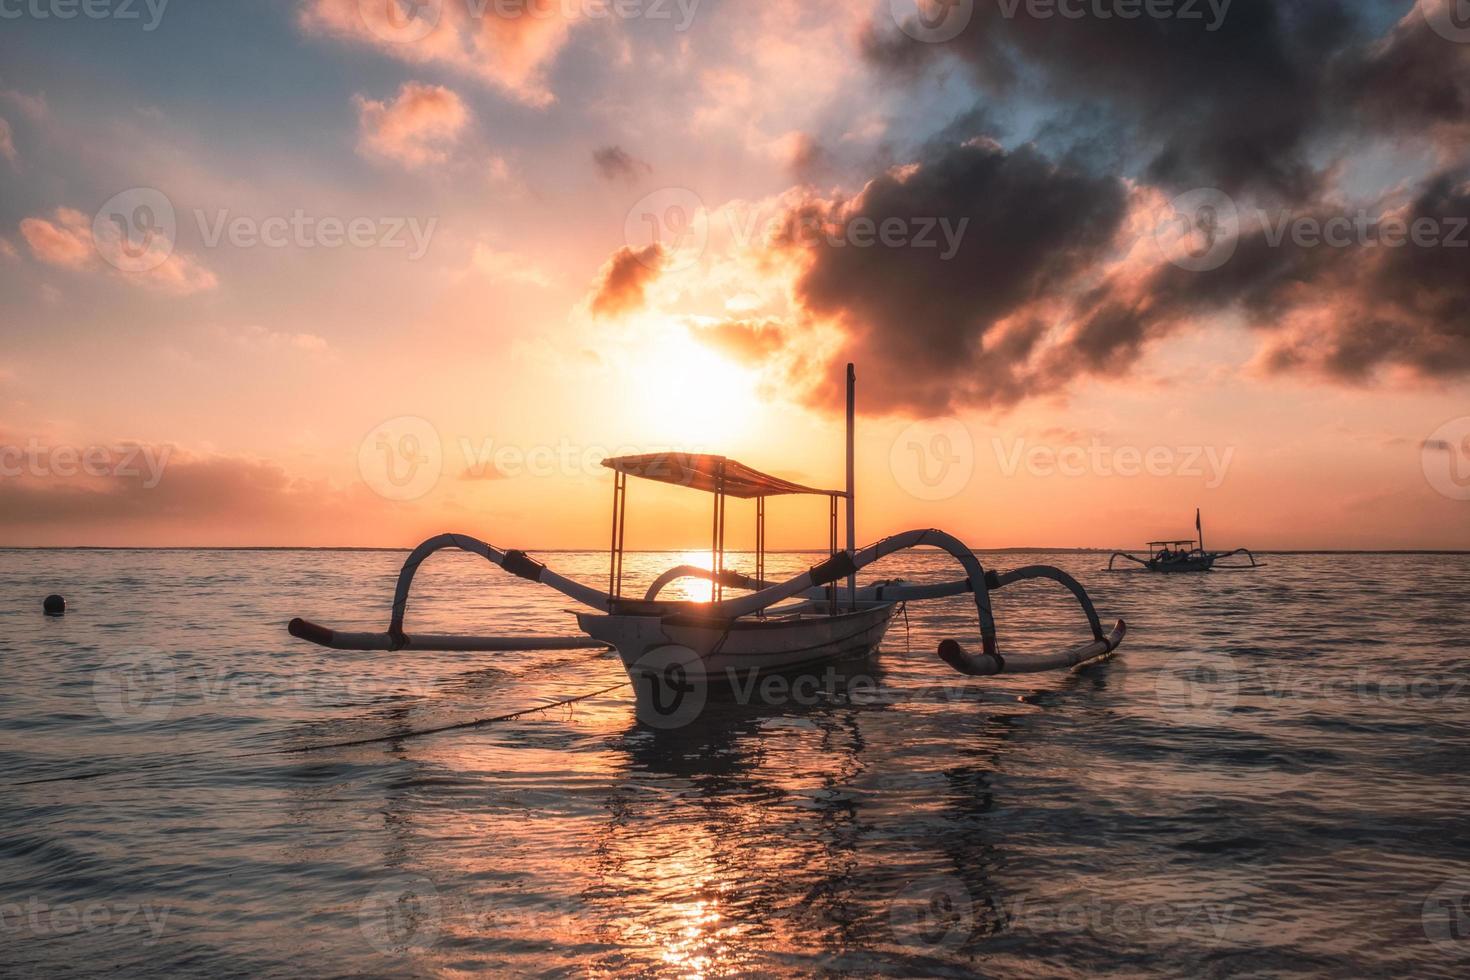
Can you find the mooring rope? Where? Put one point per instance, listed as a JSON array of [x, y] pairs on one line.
[[459, 726], [299, 750]]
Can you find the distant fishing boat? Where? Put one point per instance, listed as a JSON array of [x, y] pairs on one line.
[[1183, 554], [814, 618]]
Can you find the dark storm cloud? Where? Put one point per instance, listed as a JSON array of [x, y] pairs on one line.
[[1231, 102], [616, 163], [923, 320], [1267, 107]]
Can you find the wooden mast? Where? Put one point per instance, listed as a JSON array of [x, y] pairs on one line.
[[851, 495]]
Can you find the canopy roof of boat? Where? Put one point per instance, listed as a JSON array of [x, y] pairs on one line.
[[1173, 541], [701, 471]]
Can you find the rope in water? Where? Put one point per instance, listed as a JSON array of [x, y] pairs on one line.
[[396, 736]]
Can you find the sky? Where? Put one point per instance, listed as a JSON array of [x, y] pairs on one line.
[[355, 272]]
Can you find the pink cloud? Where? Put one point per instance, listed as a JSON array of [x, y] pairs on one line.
[[622, 286], [509, 46], [415, 129], [7, 143], [66, 240]]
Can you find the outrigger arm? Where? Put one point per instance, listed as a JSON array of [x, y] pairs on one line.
[[809, 584]]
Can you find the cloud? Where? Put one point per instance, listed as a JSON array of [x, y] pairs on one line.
[[66, 240], [151, 484], [507, 45], [7, 143], [615, 163], [748, 341], [256, 337], [415, 129], [963, 319], [623, 282], [31, 106], [1254, 100]]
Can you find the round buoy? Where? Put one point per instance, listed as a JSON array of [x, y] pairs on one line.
[[54, 605]]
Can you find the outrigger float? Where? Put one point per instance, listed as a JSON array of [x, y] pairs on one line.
[[1184, 555], [807, 621]]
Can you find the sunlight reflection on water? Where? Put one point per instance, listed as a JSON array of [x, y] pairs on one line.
[[1270, 778]]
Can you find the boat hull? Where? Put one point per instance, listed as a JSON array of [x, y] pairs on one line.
[[723, 652], [1194, 563]]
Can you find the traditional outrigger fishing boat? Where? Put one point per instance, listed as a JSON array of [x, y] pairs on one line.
[[808, 620], [1183, 554]]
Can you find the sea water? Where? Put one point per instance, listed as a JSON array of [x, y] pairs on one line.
[[1270, 778]]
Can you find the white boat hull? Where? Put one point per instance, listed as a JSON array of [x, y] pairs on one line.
[[715, 652]]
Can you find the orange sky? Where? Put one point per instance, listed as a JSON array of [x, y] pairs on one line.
[[571, 246]]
